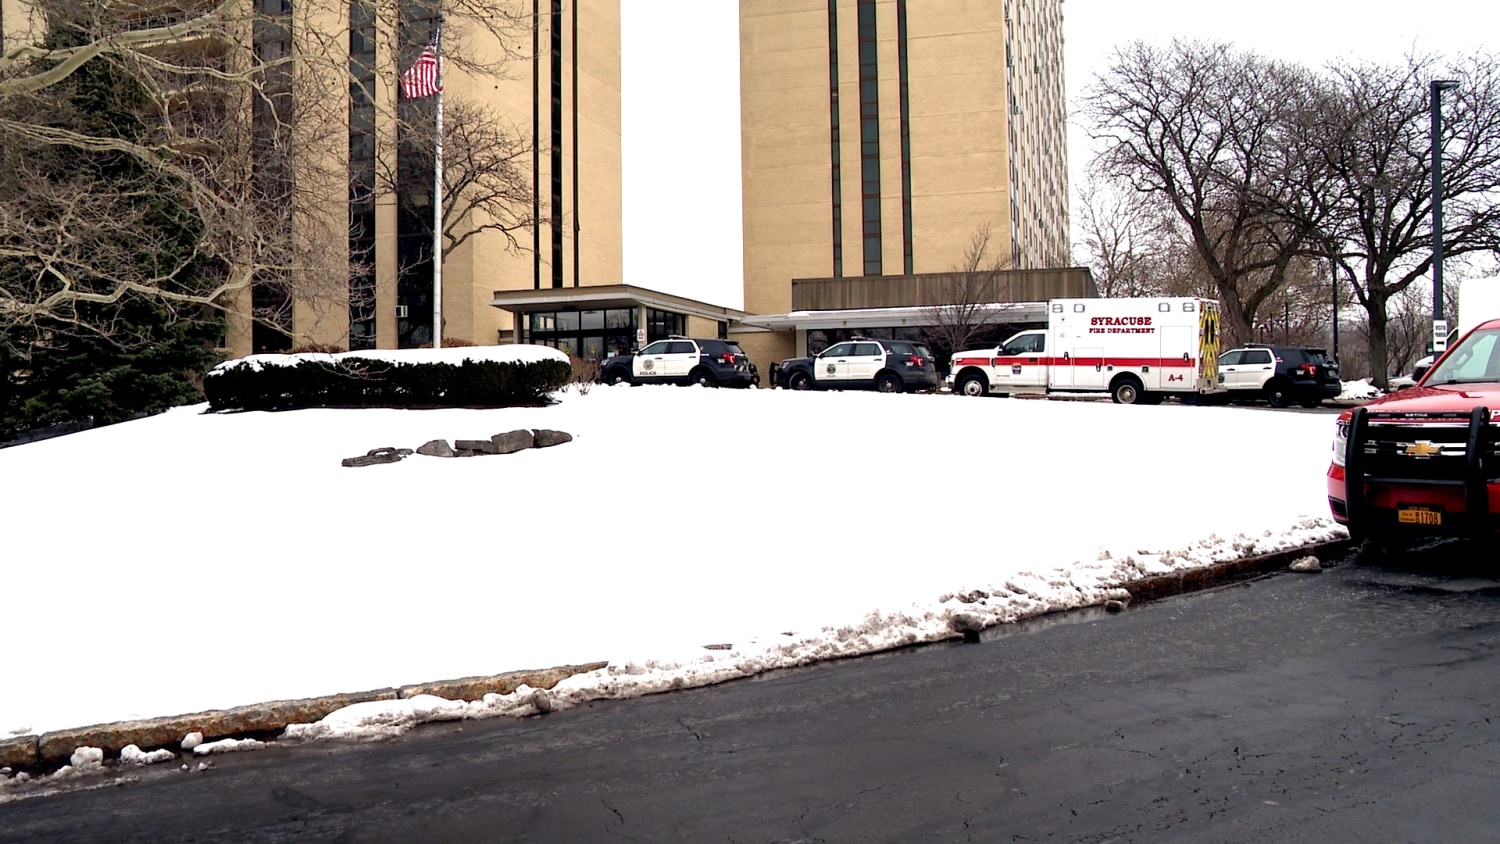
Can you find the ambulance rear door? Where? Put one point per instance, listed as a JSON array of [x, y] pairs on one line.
[[1178, 367]]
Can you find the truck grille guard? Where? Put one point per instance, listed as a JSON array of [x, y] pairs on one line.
[[1422, 449]]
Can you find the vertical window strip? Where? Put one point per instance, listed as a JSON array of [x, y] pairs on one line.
[[575, 142], [362, 174], [906, 237], [536, 149], [555, 89], [869, 137], [833, 120]]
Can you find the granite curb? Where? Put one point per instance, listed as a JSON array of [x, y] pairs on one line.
[[1162, 586], [56, 747], [259, 719]]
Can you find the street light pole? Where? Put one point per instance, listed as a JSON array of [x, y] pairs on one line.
[[1439, 325]]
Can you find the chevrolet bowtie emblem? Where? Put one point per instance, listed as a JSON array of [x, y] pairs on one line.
[[1422, 448]]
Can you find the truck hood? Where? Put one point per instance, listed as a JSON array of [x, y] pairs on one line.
[[986, 354], [1449, 398]]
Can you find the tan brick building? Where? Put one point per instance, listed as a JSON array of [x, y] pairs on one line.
[[879, 136], [561, 88], [558, 86]]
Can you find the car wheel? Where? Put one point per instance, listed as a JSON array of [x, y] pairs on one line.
[[616, 376], [703, 378], [972, 384], [888, 383], [1277, 395], [1126, 391], [798, 381]]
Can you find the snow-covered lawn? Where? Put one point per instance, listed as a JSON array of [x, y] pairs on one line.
[[196, 561]]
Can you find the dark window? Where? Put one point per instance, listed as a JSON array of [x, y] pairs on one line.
[[840, 350], [906, 232], [591, 320], [833, 119], [869, 132], [361, 176], [555, 67]]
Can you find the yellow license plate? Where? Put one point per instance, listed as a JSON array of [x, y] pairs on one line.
[[1413, 516]]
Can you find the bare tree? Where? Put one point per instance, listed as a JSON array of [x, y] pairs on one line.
[[1125, 239], [486, 172], [242, 127], [1216, 134], [967, 301], [1376, 146]]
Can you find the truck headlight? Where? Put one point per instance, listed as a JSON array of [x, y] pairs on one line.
[[1340, 442]]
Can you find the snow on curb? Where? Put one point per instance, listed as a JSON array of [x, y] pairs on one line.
[[1154, 573]]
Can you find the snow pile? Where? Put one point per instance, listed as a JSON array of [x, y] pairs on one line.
[[132, 755], [568, 556], [228, 745]]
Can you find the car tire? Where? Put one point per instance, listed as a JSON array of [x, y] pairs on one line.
[[972, 384], [703, 378], [798, 381], [888, 383], [1127, 391], [617, 376], [1277, 394]]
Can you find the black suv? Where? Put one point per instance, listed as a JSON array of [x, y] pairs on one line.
[[890, 366], [681, 360], [1280, 374]]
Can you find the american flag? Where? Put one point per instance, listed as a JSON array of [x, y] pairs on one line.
[[421, 79]]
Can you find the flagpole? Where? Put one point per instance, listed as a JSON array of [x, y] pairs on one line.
[[437, 204]]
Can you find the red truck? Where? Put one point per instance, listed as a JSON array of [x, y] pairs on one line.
[[1424, 460]]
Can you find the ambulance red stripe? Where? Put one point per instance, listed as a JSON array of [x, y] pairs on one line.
[[1177, 362]]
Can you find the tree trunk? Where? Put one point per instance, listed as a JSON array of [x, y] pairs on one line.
[[1379, 360]]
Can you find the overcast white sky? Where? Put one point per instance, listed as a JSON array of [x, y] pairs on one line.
[[681, 101]]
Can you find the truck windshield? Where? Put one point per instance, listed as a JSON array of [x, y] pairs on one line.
[[1475, 360]]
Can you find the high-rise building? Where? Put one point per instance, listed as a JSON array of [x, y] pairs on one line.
[[557, 89], [880, 137]]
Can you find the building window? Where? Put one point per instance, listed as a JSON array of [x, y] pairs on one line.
[[869, 136], [592, 334], [837, 156], [555, 67], [906, 234], [361, 175]]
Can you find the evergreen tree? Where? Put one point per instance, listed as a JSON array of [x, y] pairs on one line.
[[153, 357]]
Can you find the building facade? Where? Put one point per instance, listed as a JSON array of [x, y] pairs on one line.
[[352, 160], [558, 89], [880, 137]]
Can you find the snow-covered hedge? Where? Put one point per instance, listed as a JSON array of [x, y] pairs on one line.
[[342, 381]]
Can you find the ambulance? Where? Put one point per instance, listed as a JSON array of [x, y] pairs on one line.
[[1138, 350]]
